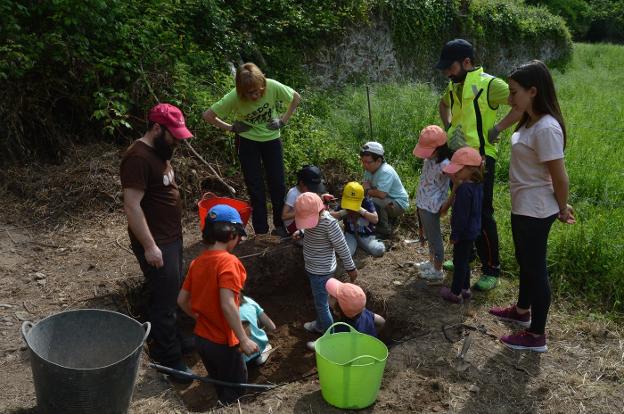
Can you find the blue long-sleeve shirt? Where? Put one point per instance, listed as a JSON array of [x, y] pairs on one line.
[[466, 215]]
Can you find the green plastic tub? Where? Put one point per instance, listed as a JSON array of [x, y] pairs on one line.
[[350, 367]]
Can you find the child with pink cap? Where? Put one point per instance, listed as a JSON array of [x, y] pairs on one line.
[[323, 239], [466, 171], [432, 197], [348, 302]]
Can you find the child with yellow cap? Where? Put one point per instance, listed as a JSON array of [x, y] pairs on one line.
[[359, 217]]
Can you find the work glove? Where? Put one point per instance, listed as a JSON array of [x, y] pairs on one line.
[[493, 135], [238, 127], [275, 123]]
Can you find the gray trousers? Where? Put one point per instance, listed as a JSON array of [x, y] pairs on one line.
[[431, 225], [386, 208], [369, 244]]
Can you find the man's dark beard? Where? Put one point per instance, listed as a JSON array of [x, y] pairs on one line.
[[162, 148], [459, 78]]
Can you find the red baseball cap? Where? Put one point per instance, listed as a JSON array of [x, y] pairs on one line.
[[462, 157], [431, 137], [351, 298], [171, 118]]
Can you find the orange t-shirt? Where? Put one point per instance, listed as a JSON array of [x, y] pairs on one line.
[[209, 272]]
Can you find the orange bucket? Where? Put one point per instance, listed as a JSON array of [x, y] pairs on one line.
[[210, 200]]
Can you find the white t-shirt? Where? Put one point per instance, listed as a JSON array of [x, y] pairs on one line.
[[291, 197], [433, 187], [532, 192]]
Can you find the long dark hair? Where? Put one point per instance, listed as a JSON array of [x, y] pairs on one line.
[[443, 153], [536, 74]]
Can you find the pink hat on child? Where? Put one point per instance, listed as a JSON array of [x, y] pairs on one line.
[[307, 208], [351, 298], [462, 157], [431, 137]]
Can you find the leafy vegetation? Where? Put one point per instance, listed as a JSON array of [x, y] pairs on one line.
[[77, 71], [589, 20]]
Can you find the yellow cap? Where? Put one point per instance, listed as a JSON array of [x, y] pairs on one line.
[[352, 196]]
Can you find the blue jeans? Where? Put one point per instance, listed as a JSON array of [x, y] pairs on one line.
[[324, 317]]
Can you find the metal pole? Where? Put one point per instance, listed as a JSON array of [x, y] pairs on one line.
[[370, 118]]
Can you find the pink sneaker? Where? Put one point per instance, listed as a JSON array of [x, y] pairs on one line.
[[466, 294], [511, 314], [525, 341], [449, 296]]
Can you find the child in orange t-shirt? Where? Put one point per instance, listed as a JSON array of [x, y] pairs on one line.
[[211, 295]]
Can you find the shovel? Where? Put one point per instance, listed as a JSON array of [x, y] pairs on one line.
[[182, 374]]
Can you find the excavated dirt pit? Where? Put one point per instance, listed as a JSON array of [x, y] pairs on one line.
[[277, 281]]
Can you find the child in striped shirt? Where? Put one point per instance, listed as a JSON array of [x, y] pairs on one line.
[[323, 239]]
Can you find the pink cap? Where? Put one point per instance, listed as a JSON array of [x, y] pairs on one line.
[[462, 157], [307, 208], [351, 298], [171, 118], [431, 137]]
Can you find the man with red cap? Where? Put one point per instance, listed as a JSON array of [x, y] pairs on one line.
[[154, 210]]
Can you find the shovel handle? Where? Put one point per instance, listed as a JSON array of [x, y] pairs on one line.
[[26, 327]]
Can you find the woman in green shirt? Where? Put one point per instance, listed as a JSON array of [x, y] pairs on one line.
[[252, 106]]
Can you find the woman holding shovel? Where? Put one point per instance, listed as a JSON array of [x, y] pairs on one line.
[[253, 106]]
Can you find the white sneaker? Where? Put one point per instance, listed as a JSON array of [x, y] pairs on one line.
[[311, 345], [425, 266], [264, 355], [311, 327], [433, 275]]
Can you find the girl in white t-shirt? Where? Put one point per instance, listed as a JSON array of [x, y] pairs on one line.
[[432, 197], [538, 182]]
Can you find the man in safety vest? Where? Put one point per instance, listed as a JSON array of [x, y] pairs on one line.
[[468, 111]]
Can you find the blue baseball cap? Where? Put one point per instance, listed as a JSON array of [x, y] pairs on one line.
[[226, 214]]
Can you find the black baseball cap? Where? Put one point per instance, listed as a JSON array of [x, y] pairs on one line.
[[312, 178], [455, 50]]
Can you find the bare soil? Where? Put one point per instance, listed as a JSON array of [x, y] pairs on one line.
[[64, 245]]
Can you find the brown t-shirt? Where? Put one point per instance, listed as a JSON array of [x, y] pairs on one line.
[[142, 169]]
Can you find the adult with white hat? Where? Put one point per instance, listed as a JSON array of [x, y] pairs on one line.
[[383, 185]]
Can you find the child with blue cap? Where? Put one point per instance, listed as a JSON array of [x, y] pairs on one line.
[[211, 295]]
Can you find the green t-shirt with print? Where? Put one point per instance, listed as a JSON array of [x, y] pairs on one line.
[[255, 113]]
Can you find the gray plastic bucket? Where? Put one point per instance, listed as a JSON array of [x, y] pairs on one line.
[[85, 361]]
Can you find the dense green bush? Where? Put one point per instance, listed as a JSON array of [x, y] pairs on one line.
[[576, 13], [419, 29], [74, 71], [589, 20], [509, 32]]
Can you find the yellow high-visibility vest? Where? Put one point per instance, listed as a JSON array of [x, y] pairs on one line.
[[472, 115]]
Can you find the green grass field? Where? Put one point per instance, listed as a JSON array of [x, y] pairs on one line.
[[586, 260]]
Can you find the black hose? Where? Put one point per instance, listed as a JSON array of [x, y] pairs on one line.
[[209, 380]]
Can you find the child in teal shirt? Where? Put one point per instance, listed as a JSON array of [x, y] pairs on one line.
[[255, 321]]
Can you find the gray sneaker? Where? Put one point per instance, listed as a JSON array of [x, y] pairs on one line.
[[311, 327], [433, 275]]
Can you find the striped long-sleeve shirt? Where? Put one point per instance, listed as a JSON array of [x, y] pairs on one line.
[[320, 245]]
